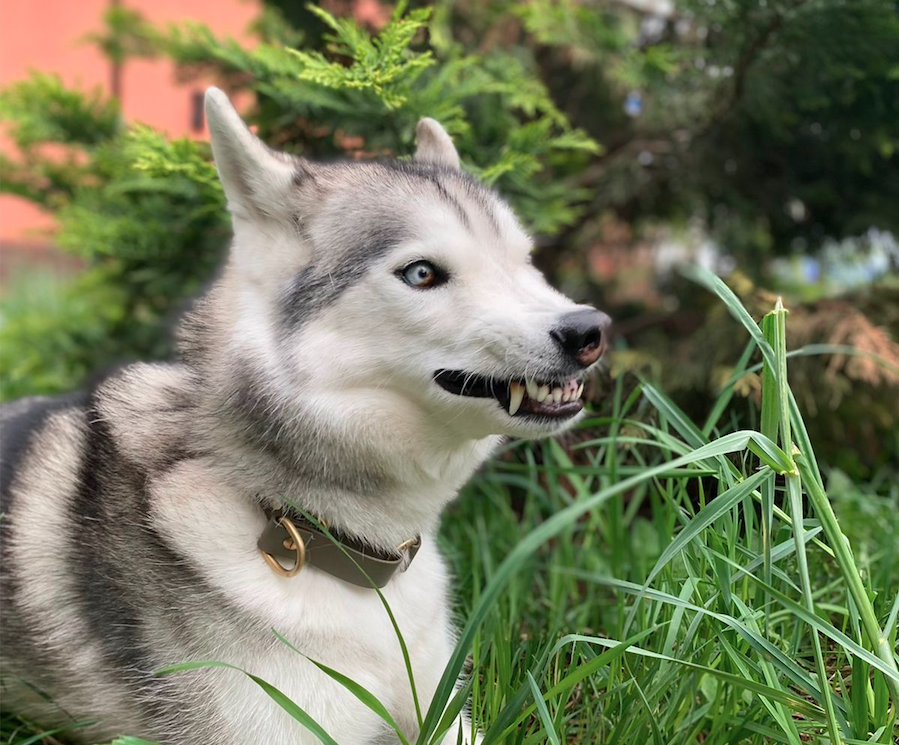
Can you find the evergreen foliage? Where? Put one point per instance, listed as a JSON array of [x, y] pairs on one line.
[[146, 215]]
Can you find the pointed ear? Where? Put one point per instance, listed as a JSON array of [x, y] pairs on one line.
[[435, 145], [257, 180]]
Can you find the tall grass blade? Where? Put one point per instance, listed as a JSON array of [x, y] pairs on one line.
[[737, 310], [675, 415], [542, 712], [778, 552], [846, 562], [769, 427], [775, 413], [810, 478], [795, 496]]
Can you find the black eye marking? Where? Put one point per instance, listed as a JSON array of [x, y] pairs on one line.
[[422, 275]]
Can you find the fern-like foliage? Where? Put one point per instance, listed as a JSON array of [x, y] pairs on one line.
[[382, 64], [145, 214], [41, 109]]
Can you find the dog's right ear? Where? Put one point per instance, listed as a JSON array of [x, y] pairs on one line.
[[435, 145], [257, 180]]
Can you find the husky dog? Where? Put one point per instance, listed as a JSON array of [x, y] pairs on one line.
[[377, 330]]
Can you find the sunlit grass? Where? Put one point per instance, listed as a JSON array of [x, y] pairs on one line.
[[654, 580]]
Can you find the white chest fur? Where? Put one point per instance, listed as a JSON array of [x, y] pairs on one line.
[[339, 625]]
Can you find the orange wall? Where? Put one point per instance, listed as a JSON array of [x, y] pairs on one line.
[[45, 35]]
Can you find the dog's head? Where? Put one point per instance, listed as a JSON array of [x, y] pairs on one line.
[[403, 284]]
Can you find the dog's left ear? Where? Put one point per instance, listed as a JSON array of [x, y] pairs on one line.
[[435, 145]]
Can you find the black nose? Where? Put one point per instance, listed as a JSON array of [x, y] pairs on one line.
[[582, 335]]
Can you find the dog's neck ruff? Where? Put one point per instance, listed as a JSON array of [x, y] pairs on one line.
[[290, 536]]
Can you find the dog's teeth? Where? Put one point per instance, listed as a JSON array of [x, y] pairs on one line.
[[542, 393], [580, 391], [557, 395], [566, 395], [516, 394], [533, 388]]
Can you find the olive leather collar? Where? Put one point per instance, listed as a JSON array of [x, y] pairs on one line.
[[318, 550]]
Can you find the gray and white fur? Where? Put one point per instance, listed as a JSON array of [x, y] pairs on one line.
[[309, 372]]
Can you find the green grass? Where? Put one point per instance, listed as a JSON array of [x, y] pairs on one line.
[[654, 580]]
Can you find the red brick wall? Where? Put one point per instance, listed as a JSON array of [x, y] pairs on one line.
[[46, 35]]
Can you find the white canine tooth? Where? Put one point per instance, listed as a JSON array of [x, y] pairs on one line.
[[516, 394], [542, 393], [532, 388], [580, 391], [557, 395]]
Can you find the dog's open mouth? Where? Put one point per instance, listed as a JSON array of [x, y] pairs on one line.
[[552, 398]]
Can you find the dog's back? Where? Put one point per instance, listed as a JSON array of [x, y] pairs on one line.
[[49, 555], [86, 578], [27, 662]]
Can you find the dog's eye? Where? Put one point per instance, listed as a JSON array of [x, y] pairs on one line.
[[422, 275]]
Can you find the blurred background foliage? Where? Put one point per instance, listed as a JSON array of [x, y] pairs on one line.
[[760, 138]]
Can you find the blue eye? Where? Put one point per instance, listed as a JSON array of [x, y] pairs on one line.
[[422, 275]]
